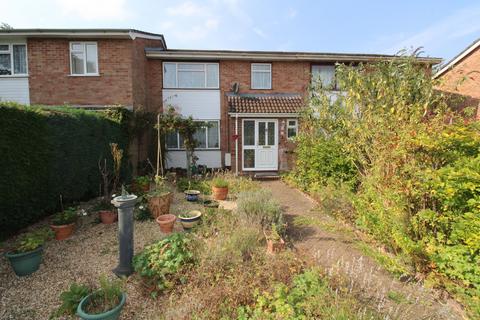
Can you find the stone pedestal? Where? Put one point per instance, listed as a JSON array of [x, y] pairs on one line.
[[125, 205]]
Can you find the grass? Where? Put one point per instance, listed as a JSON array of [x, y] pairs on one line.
[[391, 263]]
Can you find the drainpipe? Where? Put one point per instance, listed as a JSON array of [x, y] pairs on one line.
[[236, 144]]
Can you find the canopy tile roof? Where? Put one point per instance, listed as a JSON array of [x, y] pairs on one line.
[[264, 103]]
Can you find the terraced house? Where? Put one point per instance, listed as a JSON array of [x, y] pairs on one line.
[[250, 98]]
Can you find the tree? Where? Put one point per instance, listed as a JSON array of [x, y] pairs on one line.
[[5, 26], [172, 121]]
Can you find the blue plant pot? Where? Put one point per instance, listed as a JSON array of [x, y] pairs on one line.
[[192, 195], [25, 263], [113, 314]]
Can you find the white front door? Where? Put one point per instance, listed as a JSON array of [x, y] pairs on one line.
[[260, 145]]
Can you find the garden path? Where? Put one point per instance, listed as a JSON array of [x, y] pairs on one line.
[[335, 248]]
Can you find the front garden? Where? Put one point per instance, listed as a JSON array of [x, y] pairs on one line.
[[230, 264]]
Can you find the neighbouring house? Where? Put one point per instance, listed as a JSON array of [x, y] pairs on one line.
[[461, 76], [251, 99]]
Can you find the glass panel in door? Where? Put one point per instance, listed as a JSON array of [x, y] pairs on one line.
[[249, 133], [261, 133], [271, 133]]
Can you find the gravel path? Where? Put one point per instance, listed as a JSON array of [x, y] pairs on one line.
[[335, 252], [89, 253]]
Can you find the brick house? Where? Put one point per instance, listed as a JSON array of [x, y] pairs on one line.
[[461, 76], [251, 99]]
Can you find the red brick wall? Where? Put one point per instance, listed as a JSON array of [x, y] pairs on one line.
[[464, 78], [154, 85], [287, 77], [141, 70], [51, 83]]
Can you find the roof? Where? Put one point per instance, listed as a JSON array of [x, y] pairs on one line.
[[184, 54], [265, 103], [450, 64], [81, 33]]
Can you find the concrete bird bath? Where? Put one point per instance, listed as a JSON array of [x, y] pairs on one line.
[[125, 204]]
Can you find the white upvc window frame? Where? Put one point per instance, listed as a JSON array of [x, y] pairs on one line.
[[10, 52], [252, 71], [205, 64], [295, 126], [85, 74], [207, 148]]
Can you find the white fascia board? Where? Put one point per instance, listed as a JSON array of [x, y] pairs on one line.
[[264, 115]]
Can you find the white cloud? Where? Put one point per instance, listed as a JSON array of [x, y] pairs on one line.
[[95, 9], [292, 13], [260, 32], [187, 9]]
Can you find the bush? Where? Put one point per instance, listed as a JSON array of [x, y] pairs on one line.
[[47, 152], [309, 297], [160, 264], [411, 164], [261, 208]]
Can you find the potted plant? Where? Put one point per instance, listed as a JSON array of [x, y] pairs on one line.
[[141, 184], [192, 195], [219, 189], [104, 303], [63, 223], [210, 203], [275, 243], [159, 199], [111, 180], [166, 222], [26, 257], [190, 219], [107, 214]]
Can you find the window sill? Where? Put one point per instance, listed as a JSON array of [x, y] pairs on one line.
[[84, 75], [261, 89], [7, 76], [167, 88], [196, 149]]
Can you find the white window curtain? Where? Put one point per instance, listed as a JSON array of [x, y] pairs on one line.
[[190, 75], [84, 58], [206, 137], [325, 74], [261, 76]]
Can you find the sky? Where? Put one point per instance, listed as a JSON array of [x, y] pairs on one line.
[[442, 27]]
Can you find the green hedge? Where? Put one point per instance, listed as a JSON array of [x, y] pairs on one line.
[[46, 152]]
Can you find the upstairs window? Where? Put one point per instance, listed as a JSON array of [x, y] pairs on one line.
[[206, 137], [13, 59], [261, 76], [190, 75], [83, 59], [324, 75]]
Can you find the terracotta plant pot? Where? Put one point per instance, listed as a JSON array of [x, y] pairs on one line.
[[108, 216], [166, 222], [64, 231], [275, 246], [219, 193], [160, 205]]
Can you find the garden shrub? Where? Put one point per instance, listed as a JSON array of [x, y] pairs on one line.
[[410, 162], [261, 208], [160, 264], [48, 152], [309, 297]]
